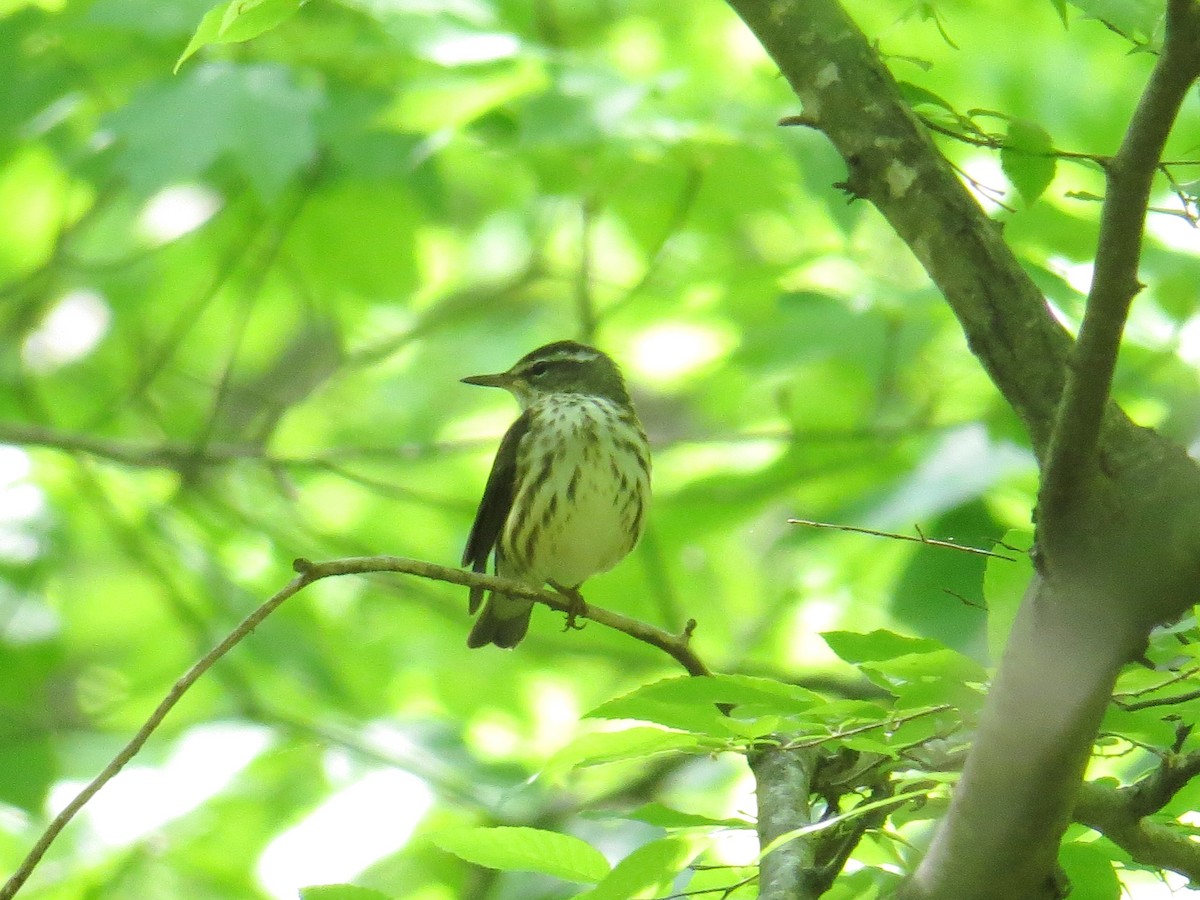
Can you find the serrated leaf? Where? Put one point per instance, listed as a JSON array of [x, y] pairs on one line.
[[1025, 159], [648, 871], [341, 892], [515, 848], [1004, 584], [880, 644], [690, 703], [1060, 6]]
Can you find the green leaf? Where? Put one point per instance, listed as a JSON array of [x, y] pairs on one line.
[[945, 667], [28, 766], [1025, 159], [915, 95], [1137, 19], [237, 20], [666, 817], [511, 848], [1090, 870], [880, 644], [689, 703], [602, 747], [648, 871], [1060, 6], [258, 116], [341, 892], [1004, 585]]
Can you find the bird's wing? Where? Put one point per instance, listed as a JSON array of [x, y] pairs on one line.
[[496, 503]]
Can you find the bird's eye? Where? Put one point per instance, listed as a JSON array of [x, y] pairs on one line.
[[537, 370]]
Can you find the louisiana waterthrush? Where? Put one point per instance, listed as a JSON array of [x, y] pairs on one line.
[[567, 494]]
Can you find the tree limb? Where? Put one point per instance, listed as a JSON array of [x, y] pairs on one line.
[[308, 572], [1122, 564], [1071, 460], [891, 160], [1121, 814]]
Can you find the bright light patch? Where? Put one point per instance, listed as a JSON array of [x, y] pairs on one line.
[[1189, 341], [21, 505], [816, 614], [354, 828], [471, 49], [668, 352], [14, 465], [494, 736], [556, 712], [637, 45], [1175, 232], [141, 799], [72, 328], [1077, 275], [703, 461], [986, 181], [174, 211], [743, 49], [736, 848]]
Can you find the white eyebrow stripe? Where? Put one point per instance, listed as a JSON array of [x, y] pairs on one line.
[[566, 356]]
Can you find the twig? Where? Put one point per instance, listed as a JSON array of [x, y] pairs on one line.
[[1158, 701], [1181, 675], [677, 646], [870, 726], [919, 539]]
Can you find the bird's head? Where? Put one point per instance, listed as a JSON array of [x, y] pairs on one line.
[[564, 367]]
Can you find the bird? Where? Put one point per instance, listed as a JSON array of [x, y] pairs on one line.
[[568, 491]]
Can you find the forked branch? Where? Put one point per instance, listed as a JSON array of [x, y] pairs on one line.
[[1130, 176]]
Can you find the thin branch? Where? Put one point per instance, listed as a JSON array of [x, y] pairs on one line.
[[677, 646], [1072, 457], [893, 722], [1173, 700], [1181, 675], [182, 456], [178, 689], [919, 539]]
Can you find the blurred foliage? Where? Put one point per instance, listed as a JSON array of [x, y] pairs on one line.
[[236, 303]]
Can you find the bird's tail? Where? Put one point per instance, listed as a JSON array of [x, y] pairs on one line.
[[503, 622]]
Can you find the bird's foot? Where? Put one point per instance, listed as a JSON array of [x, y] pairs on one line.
[[575, 606]]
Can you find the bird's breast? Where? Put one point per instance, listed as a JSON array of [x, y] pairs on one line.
[[583, 481]]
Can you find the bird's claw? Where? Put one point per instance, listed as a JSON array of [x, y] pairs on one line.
[[576, 607]]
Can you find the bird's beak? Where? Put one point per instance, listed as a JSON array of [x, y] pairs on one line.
[[500, 380]]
